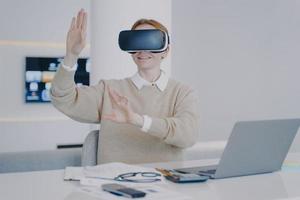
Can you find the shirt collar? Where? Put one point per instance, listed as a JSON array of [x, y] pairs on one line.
[[161, 82]]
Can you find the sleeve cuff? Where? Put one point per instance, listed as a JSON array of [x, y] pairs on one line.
[[147, 123], [68, 68]]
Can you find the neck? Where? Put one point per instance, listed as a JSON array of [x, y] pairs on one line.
[[150, 75]]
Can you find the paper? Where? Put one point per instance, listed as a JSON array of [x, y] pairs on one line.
[[111, 170], [152, 192], [91, 179], [105, 173]]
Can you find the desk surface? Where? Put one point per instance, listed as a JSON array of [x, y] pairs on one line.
[[279, 185]]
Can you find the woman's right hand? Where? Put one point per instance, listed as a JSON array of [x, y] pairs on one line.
[[76, 38]]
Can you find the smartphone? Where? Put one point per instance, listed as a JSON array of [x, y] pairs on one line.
[[122, 190]]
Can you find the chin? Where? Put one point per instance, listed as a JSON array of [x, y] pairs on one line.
[[145, 67]]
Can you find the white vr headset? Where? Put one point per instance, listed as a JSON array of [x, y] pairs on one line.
[[153, 40]]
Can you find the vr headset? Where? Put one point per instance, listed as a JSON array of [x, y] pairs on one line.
[[153, 40]]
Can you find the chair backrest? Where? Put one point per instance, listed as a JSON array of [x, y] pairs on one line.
[[90, 149], [51, 159], [39, 160]]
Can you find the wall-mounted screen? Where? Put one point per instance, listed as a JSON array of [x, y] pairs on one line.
[[39, 72]]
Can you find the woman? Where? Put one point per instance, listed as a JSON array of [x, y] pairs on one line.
[[144, 118]]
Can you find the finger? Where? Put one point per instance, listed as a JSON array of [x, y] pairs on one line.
[[83, 38], [113, 95], [116, 95], [112, 99], [121, 98], [110, 93], [84, 22], [77, 18], [72, 25], [81, 19], [78, 21], [113, 103]]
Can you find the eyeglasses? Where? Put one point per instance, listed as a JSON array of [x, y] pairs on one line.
[[149, 177]]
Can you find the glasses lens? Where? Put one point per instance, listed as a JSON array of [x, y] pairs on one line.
[[145, 180], [127, 175], [150, 174]]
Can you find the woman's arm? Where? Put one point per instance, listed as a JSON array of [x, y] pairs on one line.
[[80, 103], [180, 130]]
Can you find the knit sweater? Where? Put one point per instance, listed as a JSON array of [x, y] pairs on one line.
[[173, 111]]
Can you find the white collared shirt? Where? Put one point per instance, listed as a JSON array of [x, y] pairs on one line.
[[161, 82]]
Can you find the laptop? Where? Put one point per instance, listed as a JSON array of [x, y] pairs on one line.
[[254, 147]]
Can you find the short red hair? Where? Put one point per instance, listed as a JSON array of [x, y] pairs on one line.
[[151, 22]]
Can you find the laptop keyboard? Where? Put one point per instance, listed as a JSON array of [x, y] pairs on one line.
[[210, 171], [198, 170]]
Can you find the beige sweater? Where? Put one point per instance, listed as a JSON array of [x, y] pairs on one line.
[[173, 111]]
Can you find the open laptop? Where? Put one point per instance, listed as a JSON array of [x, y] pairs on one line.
[[253, 147]]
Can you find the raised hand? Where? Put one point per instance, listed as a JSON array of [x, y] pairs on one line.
[[121, 110], [76, 37]]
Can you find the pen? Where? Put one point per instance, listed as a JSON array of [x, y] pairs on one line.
[[164, 172]]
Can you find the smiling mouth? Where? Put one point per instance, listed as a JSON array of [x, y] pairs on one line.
[[144, 58]]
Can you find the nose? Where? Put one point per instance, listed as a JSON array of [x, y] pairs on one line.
[[143, 52]]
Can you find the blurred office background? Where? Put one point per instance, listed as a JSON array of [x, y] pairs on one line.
[[242, 57]]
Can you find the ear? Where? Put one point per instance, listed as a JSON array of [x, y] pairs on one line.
[[165, 53]]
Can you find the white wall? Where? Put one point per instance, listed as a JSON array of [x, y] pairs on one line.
[[241, 56], [33, 28]]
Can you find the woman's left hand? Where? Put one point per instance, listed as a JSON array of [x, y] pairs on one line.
[[121, 110]]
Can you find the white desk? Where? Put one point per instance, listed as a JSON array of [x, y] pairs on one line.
[[44, 185]]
